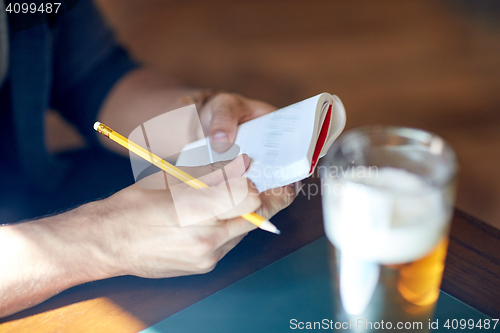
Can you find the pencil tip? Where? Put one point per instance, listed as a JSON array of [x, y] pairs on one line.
[[268, 226]]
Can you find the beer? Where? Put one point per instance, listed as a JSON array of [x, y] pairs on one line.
[[390, 301], [420, 280], [390, 235]]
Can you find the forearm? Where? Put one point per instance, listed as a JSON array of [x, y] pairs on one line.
[[142, 95], [41, 258]]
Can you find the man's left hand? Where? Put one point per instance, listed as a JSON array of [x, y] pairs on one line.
[[222, 114]]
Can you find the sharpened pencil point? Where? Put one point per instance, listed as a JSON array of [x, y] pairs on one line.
[[268, 226]]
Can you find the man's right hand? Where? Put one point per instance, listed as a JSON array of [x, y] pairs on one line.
[[135, 231], [141, 233]]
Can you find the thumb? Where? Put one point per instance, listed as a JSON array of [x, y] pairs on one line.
[[223, 126]]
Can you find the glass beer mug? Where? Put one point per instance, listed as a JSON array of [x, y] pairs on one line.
[[387, 196]]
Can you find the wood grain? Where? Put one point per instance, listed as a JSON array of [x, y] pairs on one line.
[[472, 271]]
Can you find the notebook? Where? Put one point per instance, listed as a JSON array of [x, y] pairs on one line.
[[284, 145]]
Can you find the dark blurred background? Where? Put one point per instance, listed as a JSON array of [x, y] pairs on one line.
[[421, 63]]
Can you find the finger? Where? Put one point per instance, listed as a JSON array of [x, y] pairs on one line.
[[213, 203], [209, 262], [228, 246], [238, 167], [276, 199], [244, 198], [223, 125], [238, 227], [225, 113]]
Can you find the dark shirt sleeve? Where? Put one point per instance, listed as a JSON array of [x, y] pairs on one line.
[[87, 63]]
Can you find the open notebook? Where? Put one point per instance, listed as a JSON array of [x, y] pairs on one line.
[[285, 145]]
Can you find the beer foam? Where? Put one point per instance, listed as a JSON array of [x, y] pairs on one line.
[[391, 216]]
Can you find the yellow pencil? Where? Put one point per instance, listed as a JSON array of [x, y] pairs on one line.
[[254, 218]]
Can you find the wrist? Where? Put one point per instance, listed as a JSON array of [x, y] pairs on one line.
[[76, 246], [96, 241], [44, 257]]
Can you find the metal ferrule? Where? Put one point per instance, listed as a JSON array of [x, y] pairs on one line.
[[104, 130]]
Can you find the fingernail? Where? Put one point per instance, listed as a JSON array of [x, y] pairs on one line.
[[220, 137]]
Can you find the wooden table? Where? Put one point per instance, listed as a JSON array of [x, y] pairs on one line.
[[129, 304]]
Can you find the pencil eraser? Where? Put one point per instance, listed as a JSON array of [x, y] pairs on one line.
[[96, 125]]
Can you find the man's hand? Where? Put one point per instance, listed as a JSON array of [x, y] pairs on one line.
[[222, 114], [143, 94], [135, 231], [147, 239]]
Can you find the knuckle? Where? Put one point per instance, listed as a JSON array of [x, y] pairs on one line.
[[222, 236], [225, 97], [221, 115], [207, 264], [203, 247]]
